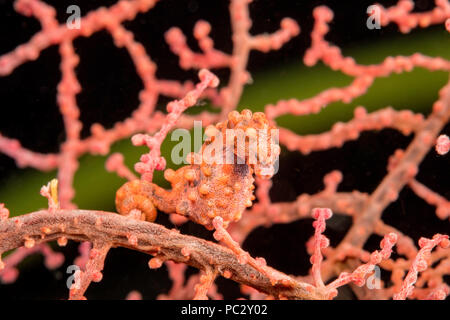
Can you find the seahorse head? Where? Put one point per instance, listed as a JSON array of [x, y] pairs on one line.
[[249, 138]]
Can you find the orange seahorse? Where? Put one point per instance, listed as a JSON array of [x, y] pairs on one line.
[[211, 186], [217, 185]]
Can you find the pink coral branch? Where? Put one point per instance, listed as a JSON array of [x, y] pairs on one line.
[[92, 272], [221, 234], [357, 88], [364, 75], [320, 242], [265, 213], [396, 179], [67, 90], [43, 12], [9, 273], [439, 293], [211, 58], [404, 121], [242, 45], [134, 295], [406, 20], [153, 160], [145, 68], [175, 89], [358, 276], [206, 282], [115, 163], [331, 55], [27, 158], [289, 29], [176, 274], [95, 21], [431, 197], [420, 263]]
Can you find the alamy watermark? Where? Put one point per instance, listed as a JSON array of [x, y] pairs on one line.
[[74, 20], [374, 280], [73, 281], [374, 19]]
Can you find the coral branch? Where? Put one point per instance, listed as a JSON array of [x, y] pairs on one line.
[[331, 55], [95, 21], [103, 227], [406, 20], [27, 158], [211, 58], [420, 263], [442, 204], [153, 160], [10, 272], [266, 214], [92, 272], [406, 169], [274, 41], [244, 257], [358, 276], [206, 281], [115, 163], [320, 242], [404, 121], [431, 197]]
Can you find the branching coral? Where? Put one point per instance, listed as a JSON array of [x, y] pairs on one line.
[[198, 189]]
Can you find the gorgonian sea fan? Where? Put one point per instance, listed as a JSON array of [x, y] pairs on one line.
[[412, 272]]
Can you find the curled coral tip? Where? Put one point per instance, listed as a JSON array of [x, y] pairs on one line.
[[4, 212], [138, 139], [201, 29], [291, 25], [204, 74], [114, 161], [442, 144], [392, 237]]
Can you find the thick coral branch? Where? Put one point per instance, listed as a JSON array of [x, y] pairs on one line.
[[115, 230]]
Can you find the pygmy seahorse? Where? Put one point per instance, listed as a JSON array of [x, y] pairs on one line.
[[218, 180]]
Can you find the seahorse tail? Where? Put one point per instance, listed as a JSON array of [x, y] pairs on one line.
[[136, 194]]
